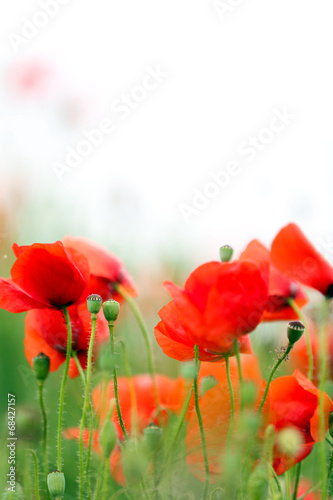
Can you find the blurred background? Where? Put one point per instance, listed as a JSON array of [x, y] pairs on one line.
[[161, 130]]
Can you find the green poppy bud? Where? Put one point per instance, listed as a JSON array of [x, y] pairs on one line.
[[207, 383], [111, 310], [226, 253], [56, 484], [41, 366], [295, 331], [108, 438], [188, 370], [94, 303], [152, 436]]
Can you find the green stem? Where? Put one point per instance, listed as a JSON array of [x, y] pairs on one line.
[[323, 369], [86, 402], [330, 467], [298, 476], [279, 361], [232, 401], [36, 474], [115, 381], [202, 433], [105, 478], [298, 311], [63, 384], [240, 375], [42, 407], [137, 313]]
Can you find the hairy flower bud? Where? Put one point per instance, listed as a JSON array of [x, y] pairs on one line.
[[41, 366]]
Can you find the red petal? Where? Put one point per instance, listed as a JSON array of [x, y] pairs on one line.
[[294, 255], [47, 273], [14, 299]]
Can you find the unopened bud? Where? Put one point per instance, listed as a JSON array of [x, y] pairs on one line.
[[207, 383], [226, 253], [41, 366], [111, 310], [108, 438], [290, 441], [295, 331], [56, 484], [94, 303], [152, 436], [188, 370]]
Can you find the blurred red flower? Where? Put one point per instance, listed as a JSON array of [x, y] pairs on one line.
[[44, 276], [296, 257], [106, 270], [220, 302], [281, 289], [46, 331], [292, 404], [138, 408]]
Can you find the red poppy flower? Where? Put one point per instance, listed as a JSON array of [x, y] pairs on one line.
[[138, 408], [46, 331], [281, 289], [106, 270], [44, 276], [296, 257], [292, 403], [220, 302]]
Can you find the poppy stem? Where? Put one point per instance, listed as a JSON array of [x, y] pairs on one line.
[[240, 375], [105, 478], [86, 401], [115, 381], [232, 401], [323, 369], [63, 384], [134, 405], [298, 475], [137, 313], [42, 407], [279, 361], [197, 408], [298, 311], [36, 474]]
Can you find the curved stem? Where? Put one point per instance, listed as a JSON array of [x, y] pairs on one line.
[[137, 313], [298, 311], [134, 405], [36, 474], [115, 381], [290, 346], [63, 384], [232, 401], [86, 402], [202, 433]]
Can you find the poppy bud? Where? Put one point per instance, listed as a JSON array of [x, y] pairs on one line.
[[111, 310], [258, 483], [56, 484], [41, 366], [108, 438], [295, 331], [94, 303], [207, 383], [290, 441], [152, 436], [14, 495], [188, 370], [330, 423], [226, 253]]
